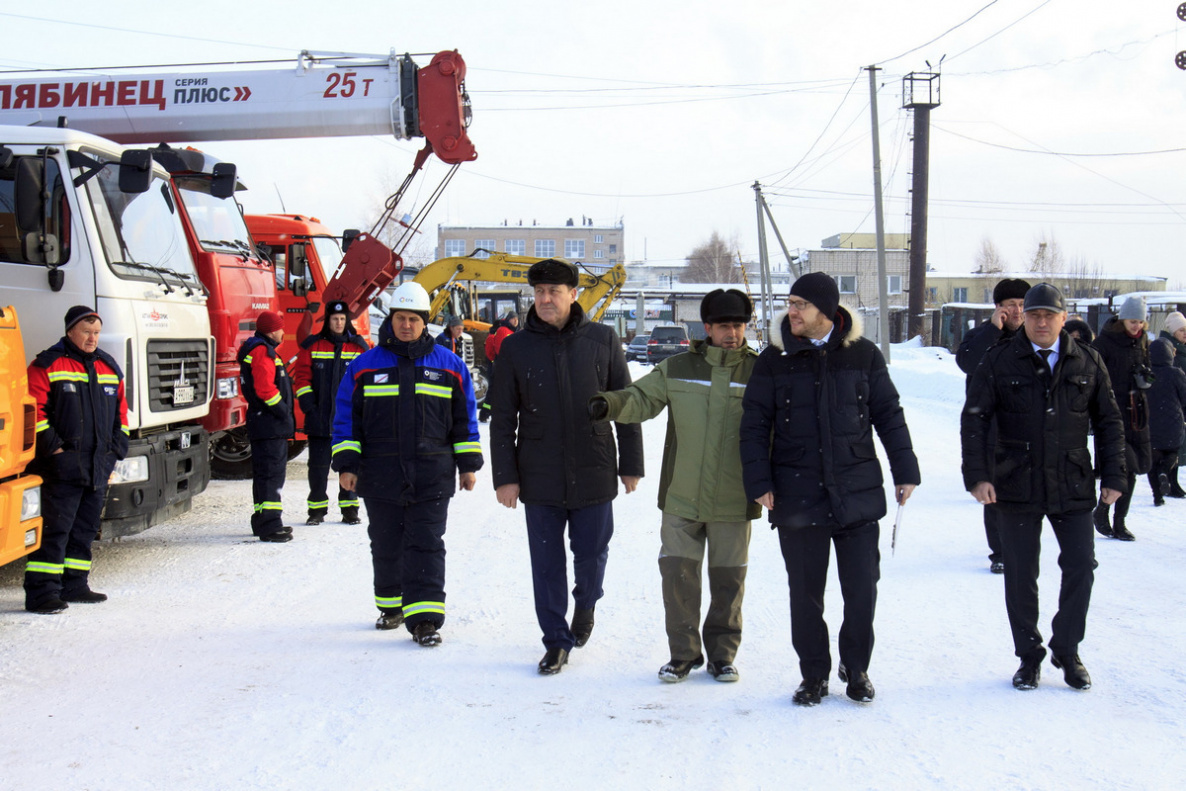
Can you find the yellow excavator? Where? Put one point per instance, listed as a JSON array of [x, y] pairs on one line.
[[452, 285]]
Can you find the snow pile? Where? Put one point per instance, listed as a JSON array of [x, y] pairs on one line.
[[222, 662]]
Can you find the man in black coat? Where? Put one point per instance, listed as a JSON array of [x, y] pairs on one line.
[[1045, 391], [547, 451], [1006, 320], [813, 400]]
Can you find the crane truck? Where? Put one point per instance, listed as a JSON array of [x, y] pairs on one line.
[[326, 94]]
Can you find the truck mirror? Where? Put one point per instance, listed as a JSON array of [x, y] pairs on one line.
[[348, 237], [135, 170], [299, 287], [29, 186], [298, 264], [222, 184], [40, 248], [5, 156]]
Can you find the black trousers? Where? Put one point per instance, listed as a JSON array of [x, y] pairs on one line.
[[589, 532], [319, 458], [408, 557], [993, 533], [806, 552], [269, 463], [1021, 539], [62, 563], [1165, 462]]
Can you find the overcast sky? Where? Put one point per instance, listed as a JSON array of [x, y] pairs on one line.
[[1061, 120]]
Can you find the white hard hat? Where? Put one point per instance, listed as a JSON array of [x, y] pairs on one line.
[[412, 297]]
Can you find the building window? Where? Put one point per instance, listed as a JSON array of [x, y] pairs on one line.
[[847, 283], [613, 248], [599, 254], [545, 248], [574, 249], [516, 246], [596, 238], [893, 284], [959, 295], [485, 244], [932, 294], [454, 247]]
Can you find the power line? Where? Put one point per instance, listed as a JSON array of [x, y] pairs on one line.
[[1048, 152], [941, 35], [1037, 8], [140, 32]]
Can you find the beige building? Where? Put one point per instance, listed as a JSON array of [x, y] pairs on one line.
[[851, 258], [584, 241], [976, 287]]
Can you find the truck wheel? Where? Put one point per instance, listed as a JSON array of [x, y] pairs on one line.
[[480, 384], [230, 455]]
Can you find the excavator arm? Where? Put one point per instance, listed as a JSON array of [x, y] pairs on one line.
[[596, 291]]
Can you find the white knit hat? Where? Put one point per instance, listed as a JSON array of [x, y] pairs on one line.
[[1174, 322]]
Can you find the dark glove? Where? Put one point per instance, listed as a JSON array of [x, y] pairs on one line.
[[308, 404], [598, 408]]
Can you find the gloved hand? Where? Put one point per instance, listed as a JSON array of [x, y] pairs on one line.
[[598, 408], [308, 404]]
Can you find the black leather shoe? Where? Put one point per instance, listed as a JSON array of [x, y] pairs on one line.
[[582, 626], [810, 692], [997, 567], [425, 633], [555, 659], [1030, 672], [390, 619], [723, 671], [279, 537], [678, 669], [1122, 533], [84, 596], [315, 519], [350, 516], [1100, 517], [860, 688], [1073, 671]]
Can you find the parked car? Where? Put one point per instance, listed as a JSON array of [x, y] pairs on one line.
[[666, 341], [637, 349]]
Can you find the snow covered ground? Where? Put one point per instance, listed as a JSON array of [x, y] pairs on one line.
[[223, 662]]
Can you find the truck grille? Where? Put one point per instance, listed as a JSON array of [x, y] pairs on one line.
[[174, 366], [467, 351]]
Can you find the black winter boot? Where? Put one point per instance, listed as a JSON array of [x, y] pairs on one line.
[[1175, 488]]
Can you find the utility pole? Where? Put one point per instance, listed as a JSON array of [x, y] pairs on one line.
[[920, 93], [882, 282], [763, 264]]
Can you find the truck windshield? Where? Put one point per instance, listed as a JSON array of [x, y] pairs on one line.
[[217, 221], [141, 233], [330, 254]]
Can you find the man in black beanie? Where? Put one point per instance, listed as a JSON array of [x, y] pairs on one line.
[[815, 396], [1009, 296]]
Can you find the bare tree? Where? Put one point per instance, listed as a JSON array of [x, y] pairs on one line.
[[712, 262], [988, 258], [1085, 279]]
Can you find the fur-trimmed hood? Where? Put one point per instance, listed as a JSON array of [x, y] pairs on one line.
[[848, 324]]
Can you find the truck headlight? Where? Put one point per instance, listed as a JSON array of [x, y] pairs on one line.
[[228, 387], [31, 503], [131, 470]]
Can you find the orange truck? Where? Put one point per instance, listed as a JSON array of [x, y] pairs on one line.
[[20, 494]]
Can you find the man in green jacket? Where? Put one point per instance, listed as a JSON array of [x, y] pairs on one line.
[[700, 490]]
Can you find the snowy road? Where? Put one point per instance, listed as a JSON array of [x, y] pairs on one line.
[[223, 662]]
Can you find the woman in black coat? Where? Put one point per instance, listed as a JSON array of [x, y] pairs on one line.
[[1124, 346], [1167, 412]]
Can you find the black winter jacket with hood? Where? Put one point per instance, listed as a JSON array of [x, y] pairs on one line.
[[807, 428], [541, 434], [1040, 462]]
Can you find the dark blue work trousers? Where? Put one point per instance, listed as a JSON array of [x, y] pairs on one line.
[[408, 556], [589, 531], [62, 563], [269, 463], [319, 462]]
